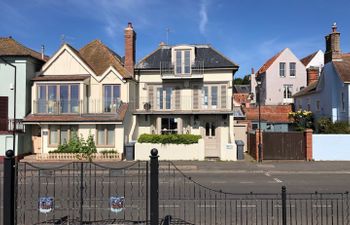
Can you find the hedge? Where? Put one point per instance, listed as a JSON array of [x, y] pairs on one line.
[[169, 138]]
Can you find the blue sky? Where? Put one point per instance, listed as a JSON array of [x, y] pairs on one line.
[[247, 31]]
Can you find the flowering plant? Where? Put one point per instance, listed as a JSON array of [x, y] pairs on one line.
[[302, 119]]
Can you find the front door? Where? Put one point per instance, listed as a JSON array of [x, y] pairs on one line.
[[36, 139], [211, 138]]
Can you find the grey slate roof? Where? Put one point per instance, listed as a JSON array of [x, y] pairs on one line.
[[203, 53], [241, 88]]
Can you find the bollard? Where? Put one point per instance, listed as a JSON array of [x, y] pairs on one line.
[[154, 186], [9, 188], [284, 205]]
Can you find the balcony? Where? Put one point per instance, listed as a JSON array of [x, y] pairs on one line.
[[75, 106], [169, 71], [7, 125], [182, 104]]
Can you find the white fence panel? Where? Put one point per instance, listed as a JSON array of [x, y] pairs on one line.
[[331, 146]]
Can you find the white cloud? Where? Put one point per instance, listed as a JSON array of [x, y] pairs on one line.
[[203, 16]]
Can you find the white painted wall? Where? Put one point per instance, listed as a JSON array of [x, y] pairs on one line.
[[317, 60], [65, 64], [330, 146], [273, 83], [171, 151]]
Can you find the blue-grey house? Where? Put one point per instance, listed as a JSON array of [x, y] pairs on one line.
[[330, 95], [16, 58]]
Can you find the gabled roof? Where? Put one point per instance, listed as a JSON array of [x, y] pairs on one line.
[[268, 63], [307, 59], [10, 47], [203, 53], [307, 90], [99, 57], [343, 68]]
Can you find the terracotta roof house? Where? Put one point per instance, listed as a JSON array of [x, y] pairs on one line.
[[87, 91], [16, 60], [329, 96], [187, 89], [281, 76]]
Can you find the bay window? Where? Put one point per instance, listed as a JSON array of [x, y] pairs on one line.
[[58, 98]]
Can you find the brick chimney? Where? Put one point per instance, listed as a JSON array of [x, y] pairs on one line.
[[333, 52], [312, 74], [130, 48]]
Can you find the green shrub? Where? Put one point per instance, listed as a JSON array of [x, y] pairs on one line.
[[326, 126], [77, 145], [169, 138], [301, 119], [106, 151]]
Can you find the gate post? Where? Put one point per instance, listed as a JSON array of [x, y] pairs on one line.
[[284, 205], [154, 186], [9, 188]]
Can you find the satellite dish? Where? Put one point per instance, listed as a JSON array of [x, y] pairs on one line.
[[147, 106]]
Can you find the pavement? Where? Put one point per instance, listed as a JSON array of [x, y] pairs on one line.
[[248, 165]]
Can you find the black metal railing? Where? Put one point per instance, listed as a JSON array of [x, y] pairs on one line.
[[170, 70], [182, 197], [136, 193], [9, 124]]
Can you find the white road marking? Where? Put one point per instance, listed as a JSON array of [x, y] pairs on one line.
[[277, 180], [267, 174], [246, 182], [218, 182]]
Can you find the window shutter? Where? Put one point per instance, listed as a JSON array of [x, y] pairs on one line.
[[177, 98], [3, 113], [223, 97], [195, 97], [151, 96]]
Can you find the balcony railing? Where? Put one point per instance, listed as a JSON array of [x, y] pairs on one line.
[[183, 103], [8, 125], [168, 70], [76, 106]]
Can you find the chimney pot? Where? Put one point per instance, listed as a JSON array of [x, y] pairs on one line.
[[130, 25], [42, 51], [253, 70], [334, 27]]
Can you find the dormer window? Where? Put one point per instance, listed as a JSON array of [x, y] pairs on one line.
[[183, 61]]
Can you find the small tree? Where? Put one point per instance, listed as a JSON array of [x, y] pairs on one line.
[[302, 119]]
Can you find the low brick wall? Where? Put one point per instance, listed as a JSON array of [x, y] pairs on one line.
[[77, 156]]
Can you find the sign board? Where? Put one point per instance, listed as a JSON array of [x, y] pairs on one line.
[[46, 204], [117, 203]]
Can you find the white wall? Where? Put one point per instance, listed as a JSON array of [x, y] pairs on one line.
[[171, 151], [331, 146], [274, 83]]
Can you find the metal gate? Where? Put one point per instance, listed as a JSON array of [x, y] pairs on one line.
[[284, 146], [82, 193]]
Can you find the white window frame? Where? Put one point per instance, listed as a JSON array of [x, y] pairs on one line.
[[284, 69], [294, 69], [183, 62], [287, 87], [105, 141]]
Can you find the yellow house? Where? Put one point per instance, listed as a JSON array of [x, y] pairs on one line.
[[186, 89], [86, 91]]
